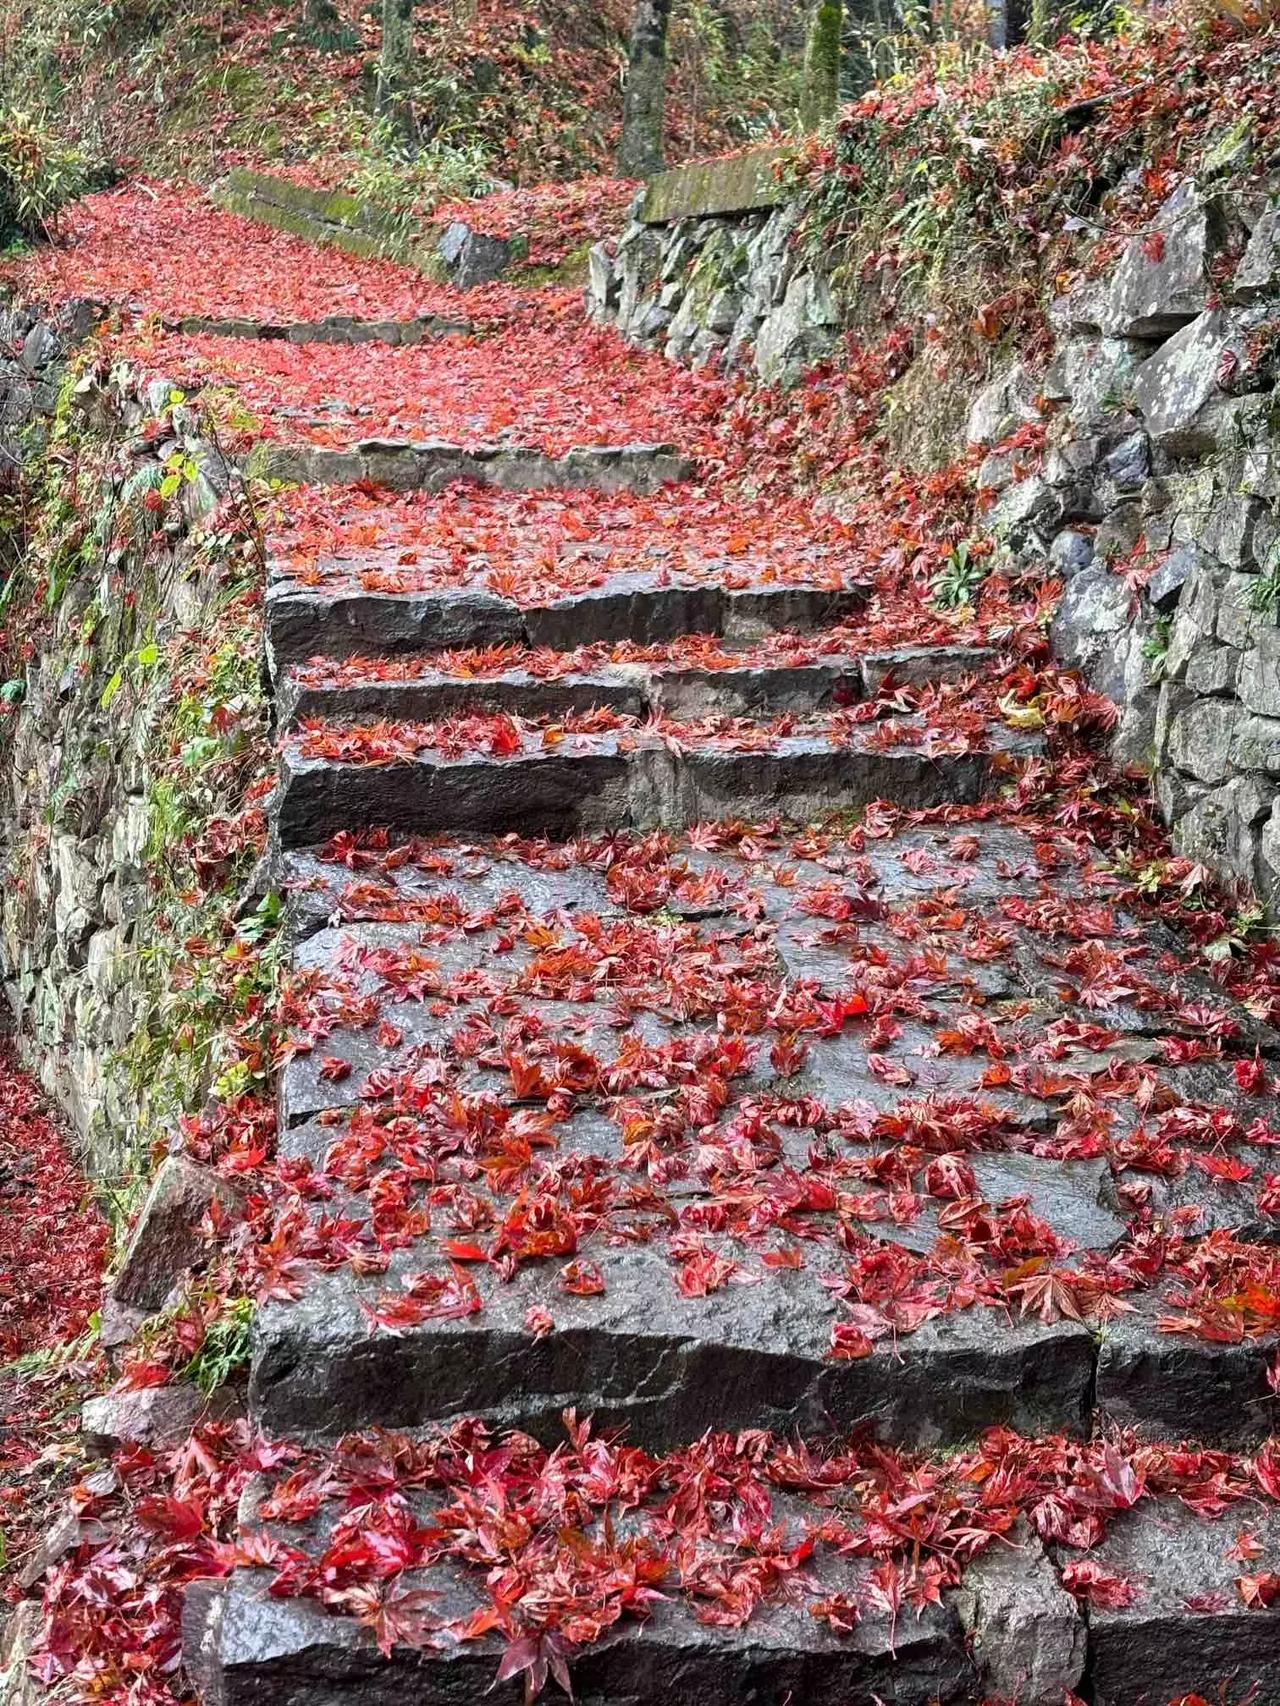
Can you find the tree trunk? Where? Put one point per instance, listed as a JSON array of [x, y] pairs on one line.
[[395, 66], [320, 18], [821, 93], [640, 151]]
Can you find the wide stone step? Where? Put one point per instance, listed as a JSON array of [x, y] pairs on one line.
[[408, 465], [1167, 1614], [665, 1366], [384, 688], [343, 621], [728, 1084], [331, 329], [623, 779]]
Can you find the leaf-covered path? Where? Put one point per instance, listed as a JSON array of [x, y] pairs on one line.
[[768, 1177]]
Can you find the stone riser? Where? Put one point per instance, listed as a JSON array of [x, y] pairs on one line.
[[632, 689], [402, 466], [665, 1386], [335, 329], [305, 623], [564, 794], [315, 1660], [666, 1367]]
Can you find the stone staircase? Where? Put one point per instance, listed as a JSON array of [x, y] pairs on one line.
[[664, 1110]]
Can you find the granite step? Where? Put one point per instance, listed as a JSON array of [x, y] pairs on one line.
[[342, 621], [332, 329], [429, 465], [637, 776], [413, 689], [1167, 1621], [454, 1038]]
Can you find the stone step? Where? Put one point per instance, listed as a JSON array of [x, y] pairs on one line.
[[1165, 1616], [520, 1028], [623, 778], [385, 689], [343, 621], [332, 329], [663, 1366], [429, 465]]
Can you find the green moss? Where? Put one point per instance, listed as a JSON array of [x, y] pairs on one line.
[[739, 184]]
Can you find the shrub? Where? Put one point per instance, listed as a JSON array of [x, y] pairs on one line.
[[38, 176]]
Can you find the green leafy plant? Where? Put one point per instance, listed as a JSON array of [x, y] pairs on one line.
[[38, 175], [959, 578], [225, 1347]]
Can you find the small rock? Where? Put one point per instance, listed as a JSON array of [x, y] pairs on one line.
[[19, 1685], [1071, 553], [1259, 271], [1164, 589], [155, 1416], [39, 347], [166, 1240], [1129, 463], [471, 257], [1212, 669], [58, 1539]]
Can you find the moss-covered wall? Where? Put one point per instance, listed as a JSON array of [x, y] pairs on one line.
[[737, 183], [134, 734]]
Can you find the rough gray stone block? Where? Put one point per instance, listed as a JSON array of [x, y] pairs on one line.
[[663, 1365], [1188, 1630], [1172, 389], [1178, 1386], [1159, 286], [166, 1240], [1258, 274], [1029, 1638], [258, 1651], [471, 257]]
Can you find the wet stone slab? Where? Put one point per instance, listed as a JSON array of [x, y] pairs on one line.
[[338, 618], [375, 688], [248, 1649], [1187, 1630], [403, 465], [603, 782], [665, 1366]]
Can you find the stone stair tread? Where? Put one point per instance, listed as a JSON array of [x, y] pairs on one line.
[[459, 943], [327, 329], [552, 391], [643, 607], [664, 1366], [431, 465], [765, 872], [1170, 1616], [830, 669], [1187, 1627], [627, 776]]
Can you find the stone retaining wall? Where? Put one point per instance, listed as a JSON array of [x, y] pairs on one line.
[[706, 271], [1156, 494], [454, 254], [1156, 502], [79, 737]]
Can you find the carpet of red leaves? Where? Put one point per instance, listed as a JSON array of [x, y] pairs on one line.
[[52, 1248], [558, 220], [555, 384], [158, 248], [533, 1525]]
